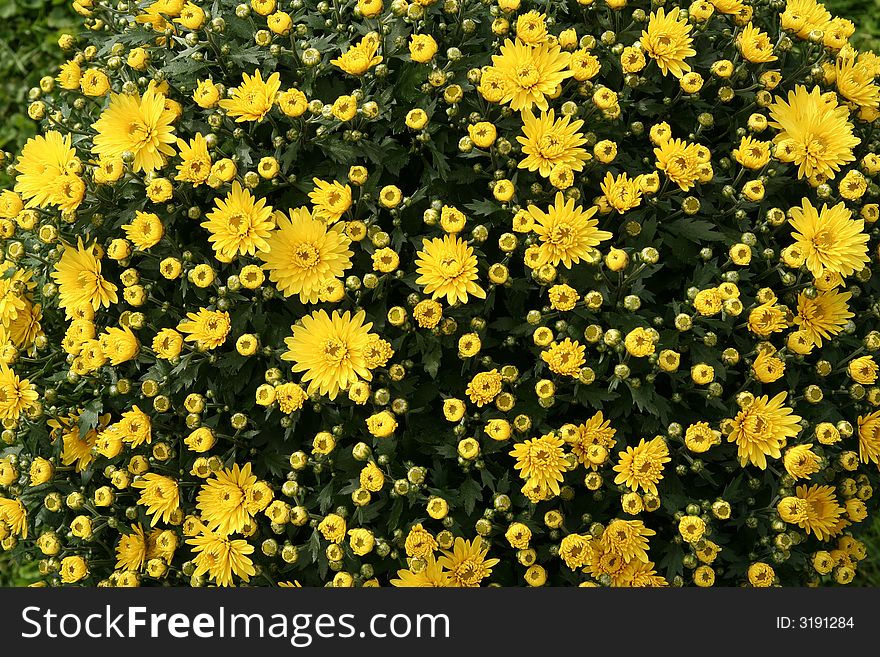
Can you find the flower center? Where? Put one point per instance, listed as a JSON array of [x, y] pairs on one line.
[[334, 350], [527, 75], [306, 256]]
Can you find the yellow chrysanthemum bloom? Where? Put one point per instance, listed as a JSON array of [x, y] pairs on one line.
[[800, 461], [855, 81], [195, 166], [869, 437], [482, 389], [159, 494], [829, 238], [330, 350], [303, 253], [621, 192], [755, 45], [641, 467], [680, 162], [223, 499], [567, 232], [47, 172], [448, 268], [542, 460], [466, 564], [253, 98], [131, 551], [239, 224], [221, 557], [331, 200], [761, 430], [140, 125], [863, 370], [823, 316], [529, 73], [207, 328], [814, 132], [548, 142], [360, 58], [666, 40], [145, 230], [813, 509], [16, 395], [79, 279], [432, 575]]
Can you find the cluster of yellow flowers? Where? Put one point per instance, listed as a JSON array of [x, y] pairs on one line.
[[444, 293]]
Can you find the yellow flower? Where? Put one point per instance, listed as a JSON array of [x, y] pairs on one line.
[[221, 557], [200, 440], [755, 45], [196, 165], [359, 59], [466, 564], [119, 345], [239, 224], [47, 172], [641, 467], [69, 75], [869, 437], [333, 528], [448, 268], [79, 279], [752, 153], [381, 424], [138, 124], [131, 551], [330, 350], [813, 509], [584, 65], [801, 462], [626, 539], [483, 134], [167, 343], [767, 368], [206, 94], [666, 40], [16, 395], [207, 328], [548, 142], [567, 232], [422, 48], [863, 370], [528, 74], [830, 238], [331, 200], [541, 460], [762, 429], [679, 161], [159, 495], [531, 28], [223, 499], [344, 108], [565, 358], [94, 83], [303, 253], [293, 102], [145, 230], [73, 569], [823, 316], [855, 81], [253, 98], [290, 397], [761, 574], [699, 437], [814, 132], [482, 389], [621, 193]]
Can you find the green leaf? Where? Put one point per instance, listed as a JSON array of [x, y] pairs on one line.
[[694, 230]]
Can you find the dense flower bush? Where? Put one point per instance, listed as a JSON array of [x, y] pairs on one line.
[[449, 293]]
